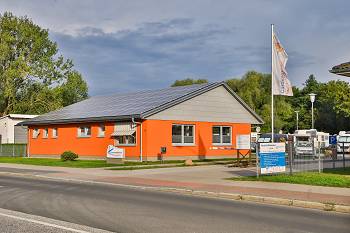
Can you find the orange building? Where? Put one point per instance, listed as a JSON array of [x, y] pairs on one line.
[[197, 121]]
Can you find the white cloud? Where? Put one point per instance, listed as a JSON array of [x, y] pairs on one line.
[[145, 44]]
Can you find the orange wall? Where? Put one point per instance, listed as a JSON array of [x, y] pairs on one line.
[[156, 134], [68, 140]]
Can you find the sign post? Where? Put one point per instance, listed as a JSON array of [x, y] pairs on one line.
[[272, 158], [243, 143]]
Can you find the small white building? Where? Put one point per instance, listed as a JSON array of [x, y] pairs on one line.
[[9, 132]]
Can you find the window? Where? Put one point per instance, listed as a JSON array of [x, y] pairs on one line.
[[35, 133], [101, 131], [54, 133], [183, 134], [46, 133], [124, 134], [126, 139], [222, 135], [84, 131]]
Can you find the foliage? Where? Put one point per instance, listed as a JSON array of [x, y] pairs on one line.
[[255, 89], [332, 105], [69, 156], [188, 81], [34, 78]]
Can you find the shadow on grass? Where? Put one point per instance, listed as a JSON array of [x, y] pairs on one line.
[[338, 171]]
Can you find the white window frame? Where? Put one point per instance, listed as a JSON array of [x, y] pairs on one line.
[[54, 132], [46, 133], [221, 135], [35, 133], [183, 143], [101, 133], [80, 135]]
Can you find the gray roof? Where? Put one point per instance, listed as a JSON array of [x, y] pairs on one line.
[[124, 106]]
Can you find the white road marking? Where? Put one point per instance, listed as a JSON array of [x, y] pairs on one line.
[[44, 223]]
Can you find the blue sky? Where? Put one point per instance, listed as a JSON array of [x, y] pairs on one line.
[[122, 46]]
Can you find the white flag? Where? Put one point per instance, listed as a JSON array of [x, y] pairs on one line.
[[281, 83]]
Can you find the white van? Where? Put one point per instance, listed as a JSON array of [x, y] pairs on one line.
[[343, 142]]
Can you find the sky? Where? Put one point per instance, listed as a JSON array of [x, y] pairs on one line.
[[122, 46]]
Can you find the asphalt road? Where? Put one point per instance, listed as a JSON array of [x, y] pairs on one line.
[[122, 209]]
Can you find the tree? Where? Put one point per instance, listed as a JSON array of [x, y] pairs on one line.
[[34, 78], [255, 89], [332, 105], [188, 81]]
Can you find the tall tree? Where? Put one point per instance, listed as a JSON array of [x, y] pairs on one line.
[[34, 78]]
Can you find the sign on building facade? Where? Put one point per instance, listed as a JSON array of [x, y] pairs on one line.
[[115, 152]]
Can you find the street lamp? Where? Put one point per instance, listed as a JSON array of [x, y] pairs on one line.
[[312, 99], [297, 112]]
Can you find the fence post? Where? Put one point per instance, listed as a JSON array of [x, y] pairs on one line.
[[290, 154], [13, 150], [257, 162], [319, 156], [344, 155]]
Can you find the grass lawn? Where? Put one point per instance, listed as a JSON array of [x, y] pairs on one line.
[[97, 163], [330, 177], [56, 162]]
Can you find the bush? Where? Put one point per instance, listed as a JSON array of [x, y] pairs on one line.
[[69, 156]]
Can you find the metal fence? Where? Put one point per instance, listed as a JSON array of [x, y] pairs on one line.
[[317, 158], [13, 150], [320, 158]]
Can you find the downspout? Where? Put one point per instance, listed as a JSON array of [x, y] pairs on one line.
[[139, 123]]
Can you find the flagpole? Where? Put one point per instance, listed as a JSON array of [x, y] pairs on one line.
[[272, 108]]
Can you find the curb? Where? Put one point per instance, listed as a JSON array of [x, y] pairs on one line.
[[227, 196]]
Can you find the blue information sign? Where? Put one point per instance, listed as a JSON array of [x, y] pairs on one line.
[[272, 158]]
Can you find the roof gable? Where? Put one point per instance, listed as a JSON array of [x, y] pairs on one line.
[[219, 104]]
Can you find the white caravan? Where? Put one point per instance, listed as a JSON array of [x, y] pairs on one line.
[[308, 140], [343, 143]]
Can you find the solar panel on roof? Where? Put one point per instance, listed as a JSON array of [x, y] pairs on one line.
[[121, 104]]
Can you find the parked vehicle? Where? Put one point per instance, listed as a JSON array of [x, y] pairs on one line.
[[343, 142], [307, 141], [266, 137]]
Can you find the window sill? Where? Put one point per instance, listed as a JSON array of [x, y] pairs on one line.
[[100, 136], [222, 144], [54, 137], [84, 136], [183, 144], [126, 145]]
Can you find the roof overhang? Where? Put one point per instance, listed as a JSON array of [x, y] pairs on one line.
[[80, 120], [342, 69]]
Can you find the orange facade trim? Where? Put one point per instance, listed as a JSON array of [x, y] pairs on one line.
[[155, 134]]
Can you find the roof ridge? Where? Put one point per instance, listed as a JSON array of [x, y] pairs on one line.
[[151, 90]]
